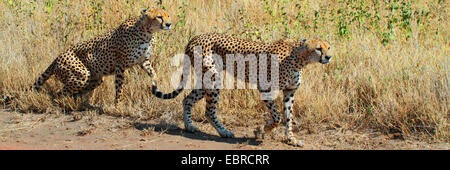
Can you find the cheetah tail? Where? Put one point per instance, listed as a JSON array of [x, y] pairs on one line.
[[45, 76], [7, 99], [170, 95]]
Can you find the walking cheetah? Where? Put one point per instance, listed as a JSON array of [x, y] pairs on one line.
[[293, 56], [81, 68]]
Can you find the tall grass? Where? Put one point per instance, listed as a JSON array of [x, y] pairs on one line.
[[389, 70]]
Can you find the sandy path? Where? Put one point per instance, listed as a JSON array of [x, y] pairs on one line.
[[51, 131]]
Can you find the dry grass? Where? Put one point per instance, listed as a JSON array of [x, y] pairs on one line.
[[389, 73]]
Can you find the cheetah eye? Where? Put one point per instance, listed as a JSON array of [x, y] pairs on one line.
[[160, 17], [319, 49]]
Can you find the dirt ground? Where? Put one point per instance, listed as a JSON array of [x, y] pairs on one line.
[[86, 132]]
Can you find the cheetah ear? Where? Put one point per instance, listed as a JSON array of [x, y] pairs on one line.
[[144, 10]]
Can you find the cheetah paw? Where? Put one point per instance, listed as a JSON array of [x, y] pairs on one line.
[[191, 128], [226, 134], [295, 142]]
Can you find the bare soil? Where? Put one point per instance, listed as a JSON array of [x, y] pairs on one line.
[[93, 131]]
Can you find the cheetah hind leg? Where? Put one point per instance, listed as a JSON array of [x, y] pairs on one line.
[[78, 91], [87, 93], [188, 103], [212, 97], [67, 91]]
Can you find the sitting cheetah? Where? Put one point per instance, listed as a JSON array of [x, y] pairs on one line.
[[82, 67], [293, 55]]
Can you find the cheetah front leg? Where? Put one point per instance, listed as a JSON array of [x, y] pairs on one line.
[[119, 83], [288, 101], [148, 68]]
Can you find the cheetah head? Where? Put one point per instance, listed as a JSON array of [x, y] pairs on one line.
[[155, 20], [318, 50]]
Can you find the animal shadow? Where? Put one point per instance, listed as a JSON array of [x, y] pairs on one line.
[[172, 129]]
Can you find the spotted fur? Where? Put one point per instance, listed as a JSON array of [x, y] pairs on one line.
[[293, 56], [81, 68]]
